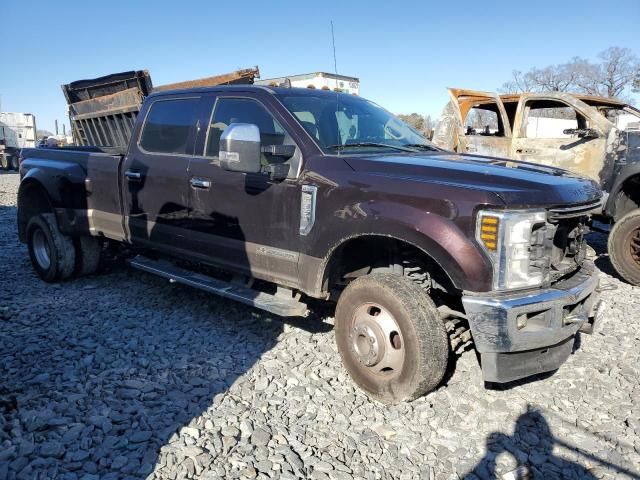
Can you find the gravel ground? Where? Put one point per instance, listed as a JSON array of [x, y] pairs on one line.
[[122, 375]]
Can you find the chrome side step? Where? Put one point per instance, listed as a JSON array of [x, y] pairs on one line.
[[278, 304]]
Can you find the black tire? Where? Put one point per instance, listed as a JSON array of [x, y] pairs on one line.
[[88, 251], [43, 233], [624, 247], [14, 164], [4, 162], [421, 335]]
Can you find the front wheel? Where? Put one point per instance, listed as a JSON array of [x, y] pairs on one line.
[[52, 253], [390, 337], [624, 247]]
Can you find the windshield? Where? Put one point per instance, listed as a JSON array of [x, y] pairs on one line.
[[349, 124], [622, 116]]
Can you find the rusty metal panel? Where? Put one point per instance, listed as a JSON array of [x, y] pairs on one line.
[[103, 111], [244, 77], [125, 100], [450, 134], [82, 90]]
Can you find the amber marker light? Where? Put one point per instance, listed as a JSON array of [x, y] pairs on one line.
[[489, 232]]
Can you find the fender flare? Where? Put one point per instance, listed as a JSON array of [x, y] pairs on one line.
[[438, 237], [625, 174], [29, 184]]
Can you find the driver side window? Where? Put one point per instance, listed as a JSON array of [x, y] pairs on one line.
[[550, 118], [485, 120], [242, 110]]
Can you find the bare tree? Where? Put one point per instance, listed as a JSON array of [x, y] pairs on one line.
[[610, 77], [414, 120], [480, 119], [619, 67], [520, 83], [429, 124]]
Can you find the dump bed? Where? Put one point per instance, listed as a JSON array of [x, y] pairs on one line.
[[103, 111]]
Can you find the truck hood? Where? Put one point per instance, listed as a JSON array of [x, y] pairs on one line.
[[515, 183]]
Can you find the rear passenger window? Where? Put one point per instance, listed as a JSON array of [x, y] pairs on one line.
[[169, 126], [242, 110]]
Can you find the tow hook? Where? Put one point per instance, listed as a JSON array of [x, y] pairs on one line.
[[595, 316]]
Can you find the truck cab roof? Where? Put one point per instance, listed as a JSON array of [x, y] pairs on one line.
[[246, 88]]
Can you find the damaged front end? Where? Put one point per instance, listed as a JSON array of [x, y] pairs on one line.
[[520, 332]]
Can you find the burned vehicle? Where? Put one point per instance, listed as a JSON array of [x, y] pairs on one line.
[[282, 198], [593, 136]]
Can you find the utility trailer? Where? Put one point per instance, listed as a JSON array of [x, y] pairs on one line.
[[17, 131], [103, 111]]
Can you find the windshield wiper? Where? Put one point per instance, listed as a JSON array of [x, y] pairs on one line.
[[345, 146], [422, 146]]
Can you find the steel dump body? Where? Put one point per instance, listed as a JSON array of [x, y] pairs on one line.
[[103, 111]]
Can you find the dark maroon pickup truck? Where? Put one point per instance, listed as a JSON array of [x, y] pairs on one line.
[[276, 196]]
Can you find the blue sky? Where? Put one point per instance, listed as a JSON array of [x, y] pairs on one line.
[[405, 53]]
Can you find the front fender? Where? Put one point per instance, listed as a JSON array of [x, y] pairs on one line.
[[437, 235]]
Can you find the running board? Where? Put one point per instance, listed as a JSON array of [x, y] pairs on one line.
[[279, 304]]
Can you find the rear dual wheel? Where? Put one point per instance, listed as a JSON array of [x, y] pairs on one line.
[[56, 256], [52, 253], [390, 337], [88, 252]]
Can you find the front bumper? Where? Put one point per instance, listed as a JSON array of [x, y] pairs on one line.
[[522, 334]]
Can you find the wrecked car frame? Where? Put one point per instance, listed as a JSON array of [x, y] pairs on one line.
[[579, 133]]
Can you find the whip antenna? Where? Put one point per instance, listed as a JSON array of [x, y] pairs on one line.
[[333, 41]]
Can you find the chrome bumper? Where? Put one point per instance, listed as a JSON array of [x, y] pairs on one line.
[[536, 329]]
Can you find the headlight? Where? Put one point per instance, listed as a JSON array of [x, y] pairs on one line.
[[506, 237]]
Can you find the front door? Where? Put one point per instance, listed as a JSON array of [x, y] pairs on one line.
[[156, 192], [474, 122], [545, 134], [241, 221]]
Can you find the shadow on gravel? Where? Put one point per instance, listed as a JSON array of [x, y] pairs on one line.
[[532, 445], [96, 374], [107, 395], [598, 241]]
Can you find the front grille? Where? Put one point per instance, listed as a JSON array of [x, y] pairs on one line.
[[558, 213], [565, 244]]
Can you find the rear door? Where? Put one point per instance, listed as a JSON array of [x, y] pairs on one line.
[[539, 136], [474, 122], [154, 173]]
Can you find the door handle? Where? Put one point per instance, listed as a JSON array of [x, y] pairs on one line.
[[133, 176], [200, 183]]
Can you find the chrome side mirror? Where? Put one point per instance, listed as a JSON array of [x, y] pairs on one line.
[[240, 148]]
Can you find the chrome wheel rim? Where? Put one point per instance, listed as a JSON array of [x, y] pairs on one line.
[[376, 340], [41, 249]]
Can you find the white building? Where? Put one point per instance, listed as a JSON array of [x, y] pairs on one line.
[[319, 80], [18, 130]]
